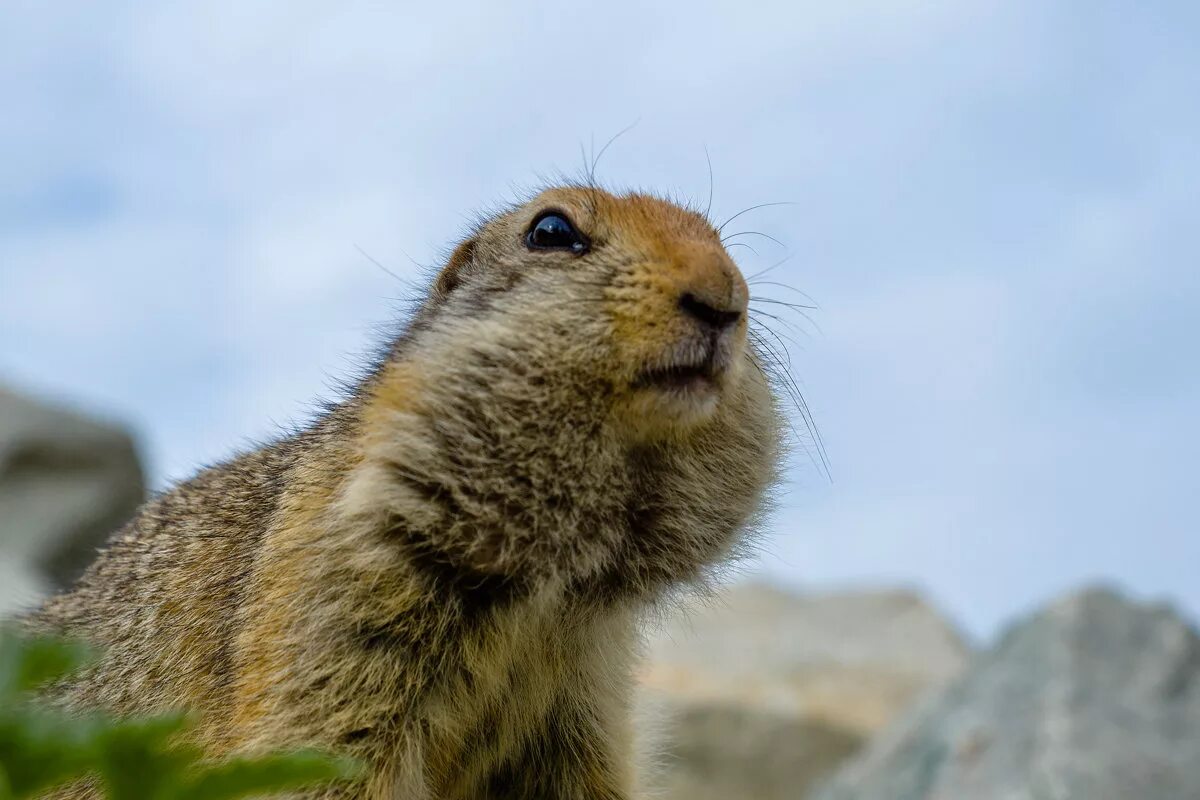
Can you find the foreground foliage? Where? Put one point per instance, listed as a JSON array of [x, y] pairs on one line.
[[131, 759]]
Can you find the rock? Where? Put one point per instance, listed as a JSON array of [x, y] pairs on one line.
[[727, 752], [764, 692], [66, 483], [1095, 698]]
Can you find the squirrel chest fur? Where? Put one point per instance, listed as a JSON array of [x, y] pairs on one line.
[[443, 576]]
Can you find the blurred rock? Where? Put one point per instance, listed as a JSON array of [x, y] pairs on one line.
[[1096, 698], [764, 692], [66, 483]]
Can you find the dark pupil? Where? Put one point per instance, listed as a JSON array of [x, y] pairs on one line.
[[554, 231]]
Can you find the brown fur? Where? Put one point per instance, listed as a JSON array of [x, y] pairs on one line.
[[444, 575]]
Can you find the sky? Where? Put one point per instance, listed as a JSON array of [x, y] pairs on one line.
[[994, 205]]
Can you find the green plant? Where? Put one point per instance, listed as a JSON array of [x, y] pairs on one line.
[[130, 759]]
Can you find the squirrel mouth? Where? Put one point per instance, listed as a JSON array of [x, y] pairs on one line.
[[681, 377]]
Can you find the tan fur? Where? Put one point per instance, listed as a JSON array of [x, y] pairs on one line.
[[444, 575]]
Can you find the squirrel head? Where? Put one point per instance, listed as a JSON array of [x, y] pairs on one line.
[[575, 396], [631, 296]]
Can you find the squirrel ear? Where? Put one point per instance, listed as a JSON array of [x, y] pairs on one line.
[[451, 275]]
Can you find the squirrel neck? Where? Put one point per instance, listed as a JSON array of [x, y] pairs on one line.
[[487, 478]]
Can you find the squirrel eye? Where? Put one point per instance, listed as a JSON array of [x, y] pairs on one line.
[[553, 231]]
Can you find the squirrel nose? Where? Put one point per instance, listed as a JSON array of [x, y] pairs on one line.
[[710, 289], [707, 314]]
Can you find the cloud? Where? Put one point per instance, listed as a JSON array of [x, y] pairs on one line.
[[992, 206]]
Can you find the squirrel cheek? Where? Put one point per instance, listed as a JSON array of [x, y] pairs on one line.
[[646, 322]]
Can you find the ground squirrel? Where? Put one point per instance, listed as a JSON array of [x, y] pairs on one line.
[[443, 575]]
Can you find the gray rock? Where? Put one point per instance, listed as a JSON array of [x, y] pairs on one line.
[[763, 692], [66, 483], [726, 752], [1095, 698]]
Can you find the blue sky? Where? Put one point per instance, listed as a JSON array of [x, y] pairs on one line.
[[994, 203]]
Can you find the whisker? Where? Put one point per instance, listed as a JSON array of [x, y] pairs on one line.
[[783, 376], [589, 177], [752, 357], [780, 320], [754, 233], [776, 334], [796, 307], [608, 144], [805, 295], [788, 380], [778, 263], [769, 350], [721, 227], [781, 303], [742, 244], [797, 396], [786, 353], [785, 341], [406, 281], [708, 160]]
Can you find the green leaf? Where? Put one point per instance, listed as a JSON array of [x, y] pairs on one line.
[[39, 750], [138, 759], [130, 759], [29, 662], [244, 776]]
